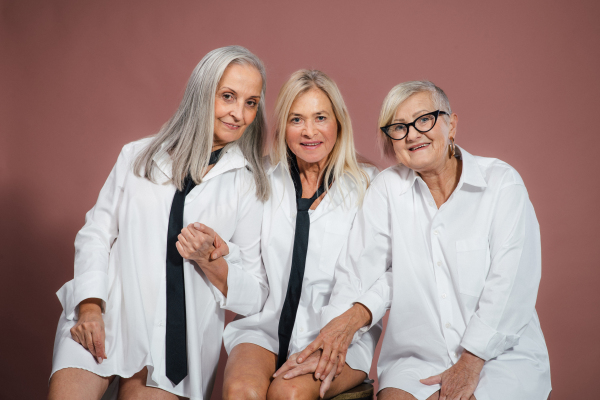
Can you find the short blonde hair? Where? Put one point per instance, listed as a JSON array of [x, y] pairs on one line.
[[396, 97], [343, 158]]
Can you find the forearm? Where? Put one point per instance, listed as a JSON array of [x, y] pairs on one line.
[[359, 316], [216, 271]]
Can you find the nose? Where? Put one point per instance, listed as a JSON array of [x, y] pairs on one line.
[[237, 111], [310, 130], [413, 134]]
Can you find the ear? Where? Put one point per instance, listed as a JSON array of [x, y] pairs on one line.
[[453, 125]]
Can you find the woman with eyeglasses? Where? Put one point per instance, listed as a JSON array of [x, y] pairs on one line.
[[317, 185], [456, 237], [150, 288]]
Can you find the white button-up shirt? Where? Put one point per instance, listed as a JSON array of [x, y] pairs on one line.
[[464, 276], [330, 223], [120, 258]]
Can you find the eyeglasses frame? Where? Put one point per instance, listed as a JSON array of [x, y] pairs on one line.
[[435, 113]]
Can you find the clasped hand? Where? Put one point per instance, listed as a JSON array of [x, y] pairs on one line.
[[201, 244], [292, 368]]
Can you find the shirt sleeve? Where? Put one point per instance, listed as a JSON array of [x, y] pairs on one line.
[[93, 243], [507, 303], [363, 272], [247, 284]]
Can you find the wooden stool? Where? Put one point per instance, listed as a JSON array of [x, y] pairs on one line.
[[364, 391]]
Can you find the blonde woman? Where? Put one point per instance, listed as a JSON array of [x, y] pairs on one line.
[[317, 185], [150, 288]]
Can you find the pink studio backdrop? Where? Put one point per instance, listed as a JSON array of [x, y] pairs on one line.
[[78, 80]]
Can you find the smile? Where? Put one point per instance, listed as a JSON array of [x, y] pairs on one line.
[[311, 144], [421, 146], [230, 126]]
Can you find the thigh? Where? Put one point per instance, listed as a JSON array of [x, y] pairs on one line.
[[77, 384], [135, 388], [249, 372], [398, 394], [307, 387]]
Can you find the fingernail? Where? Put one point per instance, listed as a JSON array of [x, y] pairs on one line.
[[317, 375], [99, 360], [196, 225]]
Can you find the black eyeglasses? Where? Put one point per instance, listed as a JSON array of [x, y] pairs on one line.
[[423, 124]]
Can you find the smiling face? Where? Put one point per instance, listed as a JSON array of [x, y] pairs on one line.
[[236, 103], [423, 152], [311, 129]]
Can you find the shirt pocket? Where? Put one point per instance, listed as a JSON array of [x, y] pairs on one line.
[[472, 260], [334, 239]]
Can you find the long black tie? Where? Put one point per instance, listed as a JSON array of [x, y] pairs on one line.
[[175, 340], [294, 289]]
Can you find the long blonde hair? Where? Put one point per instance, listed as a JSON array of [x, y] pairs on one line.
[[187, 137], [343, 158]]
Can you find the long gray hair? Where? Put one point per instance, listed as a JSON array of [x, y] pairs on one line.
[[187, 137]]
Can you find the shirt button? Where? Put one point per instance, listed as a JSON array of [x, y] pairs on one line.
[[448, 325], [431, 203], [454, 354], [161, 323], [301, 330], [439, 263], [443, 297], [435, 232]]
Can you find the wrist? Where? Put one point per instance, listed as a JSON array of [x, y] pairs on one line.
[[472, 360], [361, 316], [90, 306]]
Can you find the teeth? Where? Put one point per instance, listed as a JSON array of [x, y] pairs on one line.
[[310, 144], [423, 145]]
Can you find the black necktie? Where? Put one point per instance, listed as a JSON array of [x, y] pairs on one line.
[[175, 340], [294, 289]]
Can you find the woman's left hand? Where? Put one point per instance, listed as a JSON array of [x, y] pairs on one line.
[[459, 381], [292, 369], [201, 244]]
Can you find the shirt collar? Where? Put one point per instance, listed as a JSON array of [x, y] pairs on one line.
[[232, 158], [471, 173]]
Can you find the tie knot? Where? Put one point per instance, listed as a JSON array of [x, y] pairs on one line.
[[304, 204]]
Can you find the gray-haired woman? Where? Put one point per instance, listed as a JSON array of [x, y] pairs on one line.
[[458, 242], [128, 313]]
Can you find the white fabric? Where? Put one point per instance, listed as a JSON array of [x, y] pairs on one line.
[[329, 226], [464, 276], [120, 258]]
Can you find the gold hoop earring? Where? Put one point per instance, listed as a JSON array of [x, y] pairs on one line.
[[452, 147]]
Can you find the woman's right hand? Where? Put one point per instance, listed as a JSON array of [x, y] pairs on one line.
[[89, 329]]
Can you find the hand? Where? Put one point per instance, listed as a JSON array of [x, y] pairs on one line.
[[89, 329], [460, 380], [291, 368], [201, 244], [335, 338], [327, 381]]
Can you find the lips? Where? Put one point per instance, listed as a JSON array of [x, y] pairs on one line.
[[419, 146], [230, 126], [311, 144]]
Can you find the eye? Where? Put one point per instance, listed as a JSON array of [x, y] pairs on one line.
[[252, 103], [295, 120], [228, 97], [398, 128], [425, 119], [321, 118]]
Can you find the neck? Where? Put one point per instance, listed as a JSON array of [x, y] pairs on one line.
[[442, 181], [310, 175], [217, 147]]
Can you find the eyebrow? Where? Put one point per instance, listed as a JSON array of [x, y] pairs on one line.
[[317, 113], [418, 113], [228, 88]]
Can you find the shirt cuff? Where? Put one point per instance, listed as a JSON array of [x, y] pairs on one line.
[[376, 306], [93, 284], [486, 342]]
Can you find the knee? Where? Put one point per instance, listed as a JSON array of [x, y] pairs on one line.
[[285, 390], [242, 389]]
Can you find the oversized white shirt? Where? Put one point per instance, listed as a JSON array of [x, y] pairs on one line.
[[464, 276], [330, 223], [120, 258]]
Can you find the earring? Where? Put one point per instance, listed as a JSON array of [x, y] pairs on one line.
[[452, 147]]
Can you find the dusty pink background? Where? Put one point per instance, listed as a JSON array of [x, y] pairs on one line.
[[78, 80]]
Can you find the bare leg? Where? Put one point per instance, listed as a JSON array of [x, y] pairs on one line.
[[248, 373], [307, 387], [77, 384], [135, 388]]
